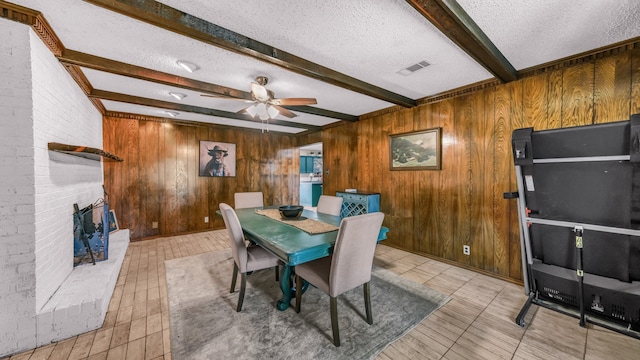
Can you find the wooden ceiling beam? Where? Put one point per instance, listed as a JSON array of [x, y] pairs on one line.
[[76, 58], [174, 20], [137, 100], [140, 117], [323, 112], [449, 17]]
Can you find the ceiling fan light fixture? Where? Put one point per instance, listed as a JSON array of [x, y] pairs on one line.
[[261, 108], [178, 96], [189, 66], [265, 106], [252, 110], [272, 111]]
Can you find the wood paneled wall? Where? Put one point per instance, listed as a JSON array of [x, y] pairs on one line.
[[158, 180], [437, 212], [428, 212]]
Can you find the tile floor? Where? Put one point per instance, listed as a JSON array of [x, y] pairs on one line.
[[476, 324]]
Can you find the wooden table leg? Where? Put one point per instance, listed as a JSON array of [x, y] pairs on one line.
[[287, 285]]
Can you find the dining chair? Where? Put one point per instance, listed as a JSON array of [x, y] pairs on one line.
[[328, 204], [347, 268], [246, 259], [245, 200]]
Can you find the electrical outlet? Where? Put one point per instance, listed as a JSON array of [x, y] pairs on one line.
[[154, 225], [466, 249], [206, 219]]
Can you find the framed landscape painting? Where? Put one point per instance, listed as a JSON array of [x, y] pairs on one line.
[[416, 150]]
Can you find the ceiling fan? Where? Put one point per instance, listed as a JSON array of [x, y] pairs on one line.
[[265, 105]]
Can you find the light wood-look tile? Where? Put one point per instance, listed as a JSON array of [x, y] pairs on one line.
[[42, 352], [603, 344], [138, 329], [120, 335], [99, 356], [136, 349], [154, 347], [117, 353], [478, 322], [154, 323], [62, 350], [101, 341], [82, 346], [551, 333], [24, 355]]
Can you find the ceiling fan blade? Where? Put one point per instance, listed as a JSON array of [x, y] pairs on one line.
[[284, 112], [294, 101], [259, 92], [226, 97]]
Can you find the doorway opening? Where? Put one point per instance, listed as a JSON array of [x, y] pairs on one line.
[[310, 174]]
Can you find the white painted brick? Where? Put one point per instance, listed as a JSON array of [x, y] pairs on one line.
[[26, 228], [74, 311], [24, 337], [7, 248], [16, 259], [102, 304], [39, 103], [58, 117], [44, 322], [24, 285], [80, 304], [7, 228], [59, 319], [26, 268]]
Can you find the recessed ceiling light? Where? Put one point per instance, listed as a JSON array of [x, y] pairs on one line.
[[178, 96], [172, 113], [190, 67]]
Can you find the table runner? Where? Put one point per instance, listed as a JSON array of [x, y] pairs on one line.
[[308, 225]]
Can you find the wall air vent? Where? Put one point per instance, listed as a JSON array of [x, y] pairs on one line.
[[413, 68]]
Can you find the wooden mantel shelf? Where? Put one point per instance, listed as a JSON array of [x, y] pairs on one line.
[[83, 151]]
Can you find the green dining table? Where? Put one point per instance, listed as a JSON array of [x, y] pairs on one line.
[[291, 244]]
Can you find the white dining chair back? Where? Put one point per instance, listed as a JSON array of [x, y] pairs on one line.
[[353, 252], [245, 258], [328, 204], [348, 267], [234, 230], [244, 200]]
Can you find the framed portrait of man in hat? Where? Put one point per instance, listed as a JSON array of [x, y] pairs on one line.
[[217, 159]]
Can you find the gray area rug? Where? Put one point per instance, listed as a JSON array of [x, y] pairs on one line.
[[205, 325]]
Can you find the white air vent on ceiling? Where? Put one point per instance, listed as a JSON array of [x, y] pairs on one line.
[[413, 68]]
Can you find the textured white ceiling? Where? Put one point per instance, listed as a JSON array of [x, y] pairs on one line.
[[530, 32], [368, 40]]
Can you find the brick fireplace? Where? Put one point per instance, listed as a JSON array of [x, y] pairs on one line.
[[42, 297]]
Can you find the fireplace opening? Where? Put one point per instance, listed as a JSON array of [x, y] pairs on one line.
[[90, 235]]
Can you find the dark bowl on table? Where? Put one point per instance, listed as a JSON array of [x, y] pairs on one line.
[[290, 212]]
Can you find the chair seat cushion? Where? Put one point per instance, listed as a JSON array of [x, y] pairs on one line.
[[259, 258], [316, 272]]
